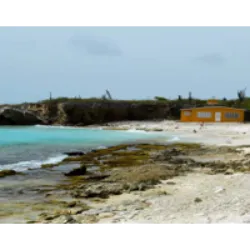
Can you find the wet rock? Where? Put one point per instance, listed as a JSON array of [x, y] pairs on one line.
[[50, 165], [77, 171], [7, 172], [157, 130], [75, 153]]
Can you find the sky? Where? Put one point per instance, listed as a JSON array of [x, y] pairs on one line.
[[131, 62]]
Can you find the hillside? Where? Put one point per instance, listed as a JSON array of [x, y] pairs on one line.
[[82, 112]]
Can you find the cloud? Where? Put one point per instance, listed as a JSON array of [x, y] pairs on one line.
[[211, 59], [96, 46]]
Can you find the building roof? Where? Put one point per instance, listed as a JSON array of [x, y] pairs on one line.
[[209, 106]]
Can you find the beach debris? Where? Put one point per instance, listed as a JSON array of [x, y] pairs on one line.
[[194, 131], [220, 189], [197, 200]]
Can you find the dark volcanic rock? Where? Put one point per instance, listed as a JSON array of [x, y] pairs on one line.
[[12, 116], [78, 171], [74, 153]]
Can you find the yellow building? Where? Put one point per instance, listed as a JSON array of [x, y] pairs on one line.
[[212, 102], [212, 114]]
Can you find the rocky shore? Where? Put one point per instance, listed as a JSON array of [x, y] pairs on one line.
[[137, 183]]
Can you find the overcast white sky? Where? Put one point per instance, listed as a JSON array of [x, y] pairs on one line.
[[133, 63]]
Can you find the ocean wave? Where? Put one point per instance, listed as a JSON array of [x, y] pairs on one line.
[[176, 138], [136, 131], [33, 164], [56, 127]]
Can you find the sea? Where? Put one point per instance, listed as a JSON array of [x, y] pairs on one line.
[[27, 147]]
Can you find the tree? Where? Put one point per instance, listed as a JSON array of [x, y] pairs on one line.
[[104, 97], [160, 98], [108, 94], [179, 97], [190, 98], [241, 95]]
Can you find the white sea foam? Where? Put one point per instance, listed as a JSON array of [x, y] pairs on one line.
[[176, 138], [57, 127], [25, 165], [136, 131]]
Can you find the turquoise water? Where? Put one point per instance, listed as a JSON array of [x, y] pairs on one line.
[[22, 148]]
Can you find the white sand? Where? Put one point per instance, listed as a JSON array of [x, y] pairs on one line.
[[225, 198], [211, 133]]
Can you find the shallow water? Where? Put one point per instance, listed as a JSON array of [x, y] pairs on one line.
[[25, 148], [22, 148]]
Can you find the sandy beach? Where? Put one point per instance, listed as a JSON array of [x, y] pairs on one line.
[[210, 133], [203, 184], [197, 197]]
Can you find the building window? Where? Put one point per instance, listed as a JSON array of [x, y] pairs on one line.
[[231, 115], [187, 113], [204, 114]]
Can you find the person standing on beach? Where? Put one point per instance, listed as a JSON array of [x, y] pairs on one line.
[[201, 125]]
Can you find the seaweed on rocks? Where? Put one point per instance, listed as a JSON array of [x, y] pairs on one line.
[[8, 172]]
